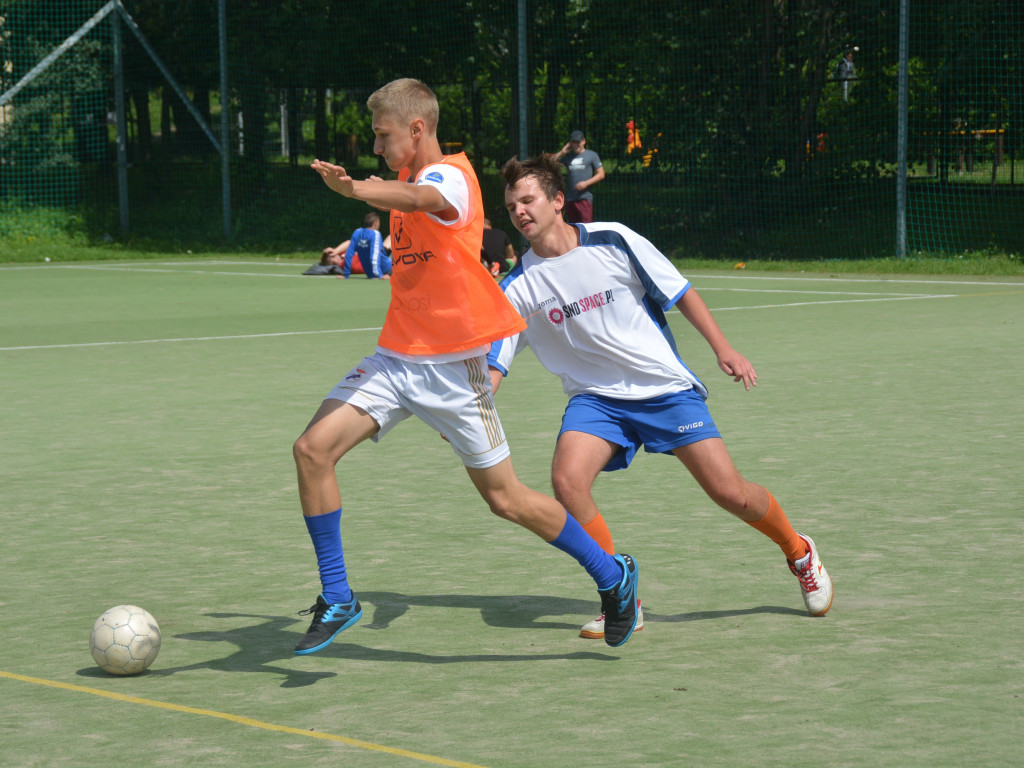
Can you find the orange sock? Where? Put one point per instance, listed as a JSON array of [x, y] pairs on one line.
[[775, 525], [598, 531]]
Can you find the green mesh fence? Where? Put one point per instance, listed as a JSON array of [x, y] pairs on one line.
[[727, 128], [54, 139], [966, 115]]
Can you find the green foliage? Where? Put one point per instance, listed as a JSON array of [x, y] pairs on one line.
[[750, 147], [59, 123]]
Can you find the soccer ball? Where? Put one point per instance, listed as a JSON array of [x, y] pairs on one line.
[[125, 640]]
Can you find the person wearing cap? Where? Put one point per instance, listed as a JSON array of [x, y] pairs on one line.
[[584, 170]]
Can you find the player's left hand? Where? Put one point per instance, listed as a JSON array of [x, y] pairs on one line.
[[737, 366]]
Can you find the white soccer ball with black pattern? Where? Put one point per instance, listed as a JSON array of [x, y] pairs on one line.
[[125, 640]]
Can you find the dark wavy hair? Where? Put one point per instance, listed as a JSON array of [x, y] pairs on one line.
[[543, 168]]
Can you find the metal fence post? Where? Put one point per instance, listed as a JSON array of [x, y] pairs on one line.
[[122, 125], [901, 132], [225, 115], [524, 97]]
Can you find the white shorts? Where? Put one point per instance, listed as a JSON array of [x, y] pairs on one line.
[[453, 398]]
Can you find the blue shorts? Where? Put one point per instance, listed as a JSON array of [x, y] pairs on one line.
[[660, 424]]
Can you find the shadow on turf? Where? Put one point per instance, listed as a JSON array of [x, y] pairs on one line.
[[262, 644], [508, 611], [676, 618], [258, 646], [527, 611]]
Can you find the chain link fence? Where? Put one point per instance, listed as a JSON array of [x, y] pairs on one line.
[[728, 129]]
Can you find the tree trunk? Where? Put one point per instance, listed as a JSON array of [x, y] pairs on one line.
[[321, 141], [143, 124]]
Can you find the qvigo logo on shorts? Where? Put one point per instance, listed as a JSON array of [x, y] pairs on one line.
[[688, 427]]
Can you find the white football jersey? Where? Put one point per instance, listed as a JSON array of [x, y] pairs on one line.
[[596, 316]]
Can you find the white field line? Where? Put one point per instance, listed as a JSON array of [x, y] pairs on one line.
[[355, 330], [830, 279], [837, 301], [148, 267], [194, 338], [143, 268], [706, 289], [124, 264]]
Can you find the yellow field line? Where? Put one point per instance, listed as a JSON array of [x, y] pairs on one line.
[[240, 720]]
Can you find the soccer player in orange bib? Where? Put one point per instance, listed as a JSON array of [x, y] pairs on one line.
[[431, 363]]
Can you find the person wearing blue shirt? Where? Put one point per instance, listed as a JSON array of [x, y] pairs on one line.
[[367, 243]]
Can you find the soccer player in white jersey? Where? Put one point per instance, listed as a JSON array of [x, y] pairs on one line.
[[594, 297]]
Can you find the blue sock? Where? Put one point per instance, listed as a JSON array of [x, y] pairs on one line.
[[601, 566], [325, 531]]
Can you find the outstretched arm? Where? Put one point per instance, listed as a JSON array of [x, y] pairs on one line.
[[396, 195], [729, 360]]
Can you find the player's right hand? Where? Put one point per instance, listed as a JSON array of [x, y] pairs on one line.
[[334, 176]]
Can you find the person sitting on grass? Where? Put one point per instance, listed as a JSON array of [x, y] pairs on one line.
[[330, 261], [366, 242]]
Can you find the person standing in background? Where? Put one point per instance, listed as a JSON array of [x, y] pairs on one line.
[[584, 170], [846, 72]]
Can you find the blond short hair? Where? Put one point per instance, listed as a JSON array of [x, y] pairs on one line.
[[405, 100]]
